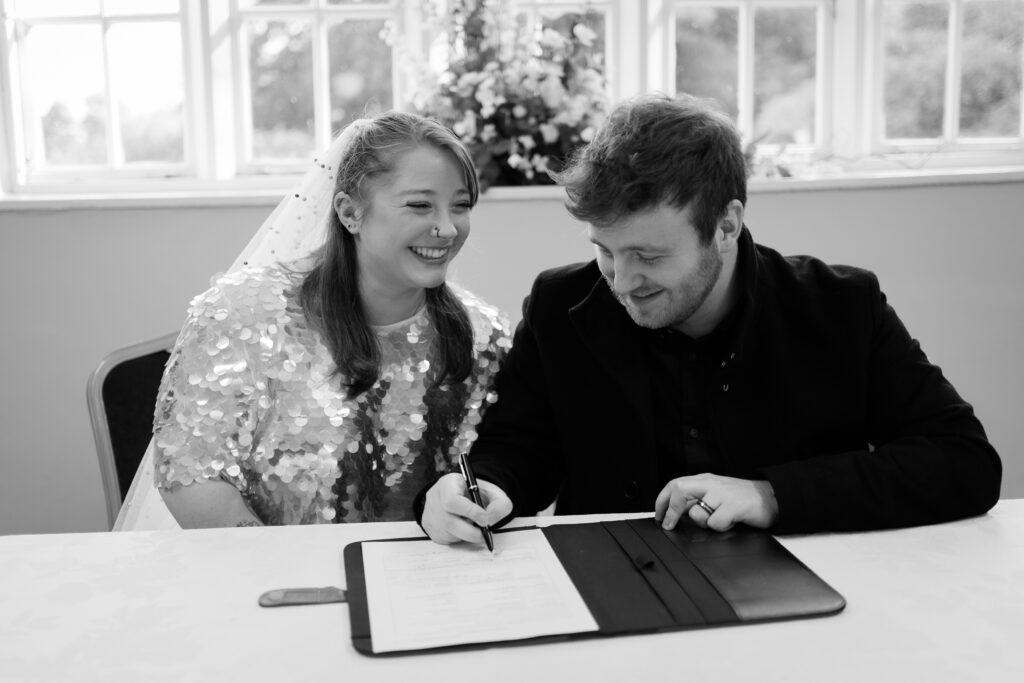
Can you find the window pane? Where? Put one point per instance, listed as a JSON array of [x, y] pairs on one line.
[[707, 58], [915, 67], [56, 8], [146, 74], [785, 49], [135, 7], [281, 73], [360, 70], [990, 89], [68, 95]]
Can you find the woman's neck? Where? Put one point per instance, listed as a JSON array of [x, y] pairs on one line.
[[387, 308]]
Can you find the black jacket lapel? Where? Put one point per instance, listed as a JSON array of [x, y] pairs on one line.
[[615, 341]]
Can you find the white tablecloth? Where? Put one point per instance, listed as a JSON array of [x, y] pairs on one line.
[[938, 603]]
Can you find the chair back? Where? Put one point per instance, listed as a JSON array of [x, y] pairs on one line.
[[121, 394]]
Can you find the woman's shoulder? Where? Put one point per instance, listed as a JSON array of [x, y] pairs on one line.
[[491, 325], [262, 291]]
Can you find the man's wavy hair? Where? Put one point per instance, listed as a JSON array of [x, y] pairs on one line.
[[656, 150]]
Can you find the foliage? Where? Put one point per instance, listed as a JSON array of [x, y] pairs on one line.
[[521, 97]]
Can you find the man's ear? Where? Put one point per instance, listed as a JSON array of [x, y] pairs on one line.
[[729, 227], [348, 212]]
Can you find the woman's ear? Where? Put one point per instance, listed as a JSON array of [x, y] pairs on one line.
[[348, 212]]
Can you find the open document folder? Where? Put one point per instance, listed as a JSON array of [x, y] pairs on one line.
[[573, 580]]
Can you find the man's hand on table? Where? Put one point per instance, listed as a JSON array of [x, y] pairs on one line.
[[449, 516], [731, 501]]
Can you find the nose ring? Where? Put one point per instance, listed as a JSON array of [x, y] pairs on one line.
[[436, 230]]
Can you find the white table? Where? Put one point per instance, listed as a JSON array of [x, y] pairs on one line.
[[939, 603]]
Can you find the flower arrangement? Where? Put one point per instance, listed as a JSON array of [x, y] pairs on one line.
[[522, 97]]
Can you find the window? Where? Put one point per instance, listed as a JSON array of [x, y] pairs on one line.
[[835, 85], [83, 107], [306, 70], [949, 73], [116, 93], [101, 94], [762, 61]]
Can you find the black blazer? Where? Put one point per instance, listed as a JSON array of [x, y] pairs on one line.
[[824, 394]]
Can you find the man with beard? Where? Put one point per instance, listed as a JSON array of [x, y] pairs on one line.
[[691, 371]]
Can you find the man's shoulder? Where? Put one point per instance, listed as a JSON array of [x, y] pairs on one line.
[[811, 274], [570, 281]]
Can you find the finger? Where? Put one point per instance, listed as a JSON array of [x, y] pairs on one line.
[[498, 504], [462, 506], [699, 513], [440, 523], [724, 516], [676, 499], [678, 505], [698, 516], [720, 521], [465, 530], [661, 502]]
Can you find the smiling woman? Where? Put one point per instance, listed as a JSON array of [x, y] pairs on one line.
[[332, 387]]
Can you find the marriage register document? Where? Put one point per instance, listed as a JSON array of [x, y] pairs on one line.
[[423, 595]]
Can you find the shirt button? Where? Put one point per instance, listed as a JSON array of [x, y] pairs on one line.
[[725, 387], [631, 491], [694, 433]]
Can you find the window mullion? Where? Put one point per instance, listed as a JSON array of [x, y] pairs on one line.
[[1020, 131], [9, 147], [199, 143], [30, 155], [407, 22], [846, 84], [624, 28], [660, 63], [823, 75], [745, 75], [115, 149], [321, 82], [951, 103], [245, 135], [873, 111], [222, 89]]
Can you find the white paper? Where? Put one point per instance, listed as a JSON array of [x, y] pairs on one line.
[[422, 594]]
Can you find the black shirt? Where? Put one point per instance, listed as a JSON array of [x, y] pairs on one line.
[[684, 371]]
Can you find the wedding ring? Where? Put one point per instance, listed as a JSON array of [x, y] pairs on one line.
[[705, 507]]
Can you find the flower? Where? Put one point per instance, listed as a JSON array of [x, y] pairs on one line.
[[521, 97]]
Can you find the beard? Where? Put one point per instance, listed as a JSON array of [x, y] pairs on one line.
[[675, 305]]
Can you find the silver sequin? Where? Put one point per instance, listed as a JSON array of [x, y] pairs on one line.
[[248, 397]]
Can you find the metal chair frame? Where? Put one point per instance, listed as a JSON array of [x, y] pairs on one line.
[[100, 419]]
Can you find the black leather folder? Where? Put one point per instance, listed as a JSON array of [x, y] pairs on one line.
[[636, 577]]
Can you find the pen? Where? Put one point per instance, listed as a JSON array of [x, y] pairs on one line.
[[474, 495]]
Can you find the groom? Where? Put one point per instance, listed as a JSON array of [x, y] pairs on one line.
[[689, 370]]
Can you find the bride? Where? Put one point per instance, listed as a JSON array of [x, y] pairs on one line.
[[330, 377]]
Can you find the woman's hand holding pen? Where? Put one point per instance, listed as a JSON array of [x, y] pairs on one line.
[[449, 516]]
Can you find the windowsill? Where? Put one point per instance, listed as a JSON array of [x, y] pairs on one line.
[[269, 197]]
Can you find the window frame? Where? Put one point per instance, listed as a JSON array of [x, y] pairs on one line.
[[950, 141], [848, 122], [24, 169]]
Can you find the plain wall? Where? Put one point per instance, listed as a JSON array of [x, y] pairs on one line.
[[78, 283]]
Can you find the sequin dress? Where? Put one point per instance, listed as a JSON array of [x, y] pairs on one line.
[[248, 397]]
